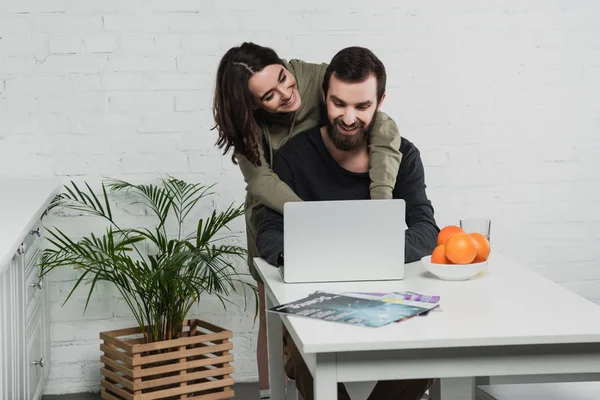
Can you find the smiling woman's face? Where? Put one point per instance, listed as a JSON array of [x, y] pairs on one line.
[[274, 89]]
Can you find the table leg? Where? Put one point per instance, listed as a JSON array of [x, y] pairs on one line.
[[482, 381], [453, 389], [275, 351], [325, 377]]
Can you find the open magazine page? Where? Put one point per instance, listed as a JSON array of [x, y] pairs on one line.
[[351, 310], [409, 298]]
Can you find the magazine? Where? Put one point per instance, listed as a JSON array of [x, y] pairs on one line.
[[353, 310]]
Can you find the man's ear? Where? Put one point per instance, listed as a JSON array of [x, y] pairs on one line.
[[380, 102], [323, 96]]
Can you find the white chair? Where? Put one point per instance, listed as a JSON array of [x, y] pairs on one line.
[[291, 393], [541, 391]]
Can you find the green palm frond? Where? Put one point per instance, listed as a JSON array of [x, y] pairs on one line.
[[162, 285]]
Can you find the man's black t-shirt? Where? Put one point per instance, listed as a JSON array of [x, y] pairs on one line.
[[308, 168]]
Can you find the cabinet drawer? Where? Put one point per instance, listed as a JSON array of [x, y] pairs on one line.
[[32, 245], [33, 292], [35, 352]]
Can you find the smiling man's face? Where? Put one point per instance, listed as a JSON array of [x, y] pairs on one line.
[[351, 111]]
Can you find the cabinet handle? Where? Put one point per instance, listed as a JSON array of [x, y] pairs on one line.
[[36, 232], [40, 363], [21, 249], [38, 285]]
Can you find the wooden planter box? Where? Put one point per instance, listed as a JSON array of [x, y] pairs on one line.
[[195, 366]]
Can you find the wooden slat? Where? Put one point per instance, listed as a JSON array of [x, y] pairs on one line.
[[117, 343], [227, 393], [183, 375], [137, 393], [187, 365], [109, 386], [188, 353], [121, 332], [165, 344], [117, 378], [112, 353], [120, 367], [188, 389], [211, 327], [108, 396], [187, 377]]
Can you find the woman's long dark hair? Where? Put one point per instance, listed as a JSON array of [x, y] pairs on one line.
[[233, 108]]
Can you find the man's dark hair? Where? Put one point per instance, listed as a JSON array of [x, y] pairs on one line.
[[355, 64]]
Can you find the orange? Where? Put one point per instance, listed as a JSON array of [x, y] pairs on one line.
[[439, 255], [461, 248], [483, 247], [447, 232]]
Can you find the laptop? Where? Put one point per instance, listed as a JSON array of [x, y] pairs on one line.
[[343, 240]]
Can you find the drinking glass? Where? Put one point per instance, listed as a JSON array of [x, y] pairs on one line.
[[474, 225]]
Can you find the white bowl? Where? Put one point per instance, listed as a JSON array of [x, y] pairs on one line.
[[453, 272]]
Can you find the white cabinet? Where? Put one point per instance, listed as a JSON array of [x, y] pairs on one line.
[[24, 323]]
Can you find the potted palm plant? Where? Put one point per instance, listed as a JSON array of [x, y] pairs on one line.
[[160, 273]]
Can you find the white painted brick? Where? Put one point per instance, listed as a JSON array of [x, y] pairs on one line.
[[207, 164], [73, 310], [122, 310], [19, 104], [169, 122], [100, 43], [103, 124], [66, 23], [148, 144], [28, 166], [179, 6], [159, 163], [22, 45], [76, 352], [157, 81], [13, 24], [149, 44], [122, 81], [147, 102], [204, 64], [91, 372], [139, 23], [137, 43], [200, 23], [70, 165], [73, 103], [210, 43], [66, 371], [26, 7], [105, 165], [75, 64], [434, 158], [192, 101], [91, 8], [141, 64], [29, 144], [38, 84], [15, 66], [66, 44]]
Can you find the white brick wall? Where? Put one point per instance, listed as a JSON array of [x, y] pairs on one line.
[[501, 97]]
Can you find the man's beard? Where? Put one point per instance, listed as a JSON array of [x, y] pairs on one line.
[[349, 142]]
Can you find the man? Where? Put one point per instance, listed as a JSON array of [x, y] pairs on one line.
[[332, 163]]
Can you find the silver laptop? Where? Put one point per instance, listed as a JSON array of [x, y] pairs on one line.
[[347, 240]]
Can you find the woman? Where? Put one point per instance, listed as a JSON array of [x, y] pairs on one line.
[[260, 102]]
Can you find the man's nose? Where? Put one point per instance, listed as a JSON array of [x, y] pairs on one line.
[[349, 117]]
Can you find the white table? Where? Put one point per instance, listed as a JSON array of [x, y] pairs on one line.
[[506, 321]]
